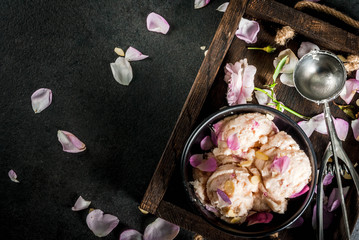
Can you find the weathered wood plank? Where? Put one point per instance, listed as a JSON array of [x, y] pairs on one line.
[[330, 36], [194, 102]]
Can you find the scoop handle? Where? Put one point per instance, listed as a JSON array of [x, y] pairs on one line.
[[336, 145]]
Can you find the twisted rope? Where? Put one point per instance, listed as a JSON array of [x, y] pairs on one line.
[[330, 11]]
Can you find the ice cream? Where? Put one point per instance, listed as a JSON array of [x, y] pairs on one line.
[[258, 168]]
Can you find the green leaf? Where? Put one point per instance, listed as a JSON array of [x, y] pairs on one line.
[[279, 67]]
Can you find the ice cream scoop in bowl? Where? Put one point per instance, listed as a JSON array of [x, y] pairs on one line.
[[242, 183]]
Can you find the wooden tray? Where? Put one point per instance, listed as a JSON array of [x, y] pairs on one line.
[[165, 196]]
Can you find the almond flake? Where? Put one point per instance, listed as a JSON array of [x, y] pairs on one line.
[[203, 48], [245, 163], [255, 179], [142, 210], [119, 52], [261, 156], [235, 220], [229, 187]]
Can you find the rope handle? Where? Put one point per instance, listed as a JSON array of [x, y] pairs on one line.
[[330, 11]]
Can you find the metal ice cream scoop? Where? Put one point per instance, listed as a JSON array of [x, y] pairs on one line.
[[320, 76]]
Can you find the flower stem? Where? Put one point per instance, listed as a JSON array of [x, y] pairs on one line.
[[281, 104]]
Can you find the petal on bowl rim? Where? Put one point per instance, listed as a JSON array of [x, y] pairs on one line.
[[206, 143]]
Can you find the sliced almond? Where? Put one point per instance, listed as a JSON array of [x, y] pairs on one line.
[[142, 210], [229, 188], [261, 156], [255, 179], [245, 163], [119, 52], [230, 213], [235, 220]]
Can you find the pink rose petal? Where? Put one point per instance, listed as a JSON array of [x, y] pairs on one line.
[[260, 217], [287, 79], [156, 23], [81, 204], [131, 234], [355, 127], [196, 160], [122, 71], [161, 229], [132, 54], [292, 61], [280, 164], [351, 87], [306, 47], [240, 79], [206, 165], [206, 143], [328, 178], [70, 143], [328, 217], [233, 142], [299, 222], [12, 175], [334, 198], [224, 196], [223, 7], [248, 30], [101, 224], [200, 3], [41, 99], [342, 128], [304, 190]]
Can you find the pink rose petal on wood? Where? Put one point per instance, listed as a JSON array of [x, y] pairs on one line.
[[260, 217], [12, 175], [223, 7], [131, 234], [248, 30], [240, 79], [351, 87], [280, 164], [342, 128], [233, 142], [81, 204], [70, 143], [200, 3], [122, 71], [301, 192], [287, 79], [224, 196], [355, 127], [306, 47], [291, 61], [132, 54], [206, 143], [156, 23], [334, 198], [328, 217], [41, 99], [161, 229], [101, 224], [328, 178]]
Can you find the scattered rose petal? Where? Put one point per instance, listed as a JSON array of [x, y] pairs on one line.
[[299, 222], [81, 204], [334, 198], [287, 79], [291, 62], [348, 92], [161, 229], [13, 176], [260, 217], [119, 52], [41, 99], [355, 127], [211, 208], [132, 54], [263, 98], [328, 178], [156, 23], [200, 3], [206, 143], [306, 47], [280, 164], [224, 196], [248, 30], [233, 142], [304, 190], [240, 79], [131, 234], [101, 224], [122, 71], [327, 217], [317, 123], [205, 165], [70, 143], [223, 7]]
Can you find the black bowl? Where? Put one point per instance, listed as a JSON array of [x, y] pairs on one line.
[[296, 206]]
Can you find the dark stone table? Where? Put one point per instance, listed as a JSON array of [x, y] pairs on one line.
[[68, 46]]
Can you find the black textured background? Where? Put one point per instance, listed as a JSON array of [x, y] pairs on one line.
[[67, 46]]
